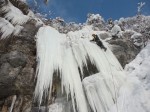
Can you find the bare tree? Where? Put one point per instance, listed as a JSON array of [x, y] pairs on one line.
[[140, 6]]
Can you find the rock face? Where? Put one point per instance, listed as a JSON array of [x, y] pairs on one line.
[[14, 58], [124, 50], [17, 76], [17, 70]]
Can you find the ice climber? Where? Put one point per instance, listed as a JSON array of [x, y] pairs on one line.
[[98, 42]]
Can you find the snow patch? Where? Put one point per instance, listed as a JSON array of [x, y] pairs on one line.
[[134, 94], [56, 107], [137, 39], [102, 91], [6, 28], [116, 31]]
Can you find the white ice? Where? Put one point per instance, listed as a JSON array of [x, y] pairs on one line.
[[101, 92], [116, 30], [14, 15], [6, 28], [56, 107], [67, 53], [13, 103]]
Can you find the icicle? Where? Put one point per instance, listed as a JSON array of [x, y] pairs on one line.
[[17, 30], [13, 102], [6, 28], [49, 58], [100, 92], [51, 53], [14, 15], [67, 53], [72, 81]]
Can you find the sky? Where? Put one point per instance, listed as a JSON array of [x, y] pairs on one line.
[[77, 10]]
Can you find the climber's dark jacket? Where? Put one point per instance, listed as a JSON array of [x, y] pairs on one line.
[[98, 42]]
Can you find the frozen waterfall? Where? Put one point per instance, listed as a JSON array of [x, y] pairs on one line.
[[69, 53]]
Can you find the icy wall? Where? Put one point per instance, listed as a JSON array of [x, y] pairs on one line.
[[67, 54]]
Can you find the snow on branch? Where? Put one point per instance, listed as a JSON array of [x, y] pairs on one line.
[[140, 6]]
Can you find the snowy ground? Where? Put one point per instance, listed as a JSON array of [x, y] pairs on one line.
[[135, 93]]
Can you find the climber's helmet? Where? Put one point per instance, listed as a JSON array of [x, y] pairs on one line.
[[94, 35]]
